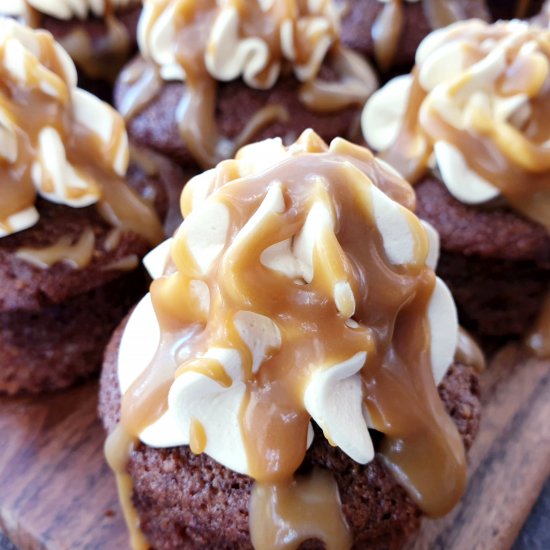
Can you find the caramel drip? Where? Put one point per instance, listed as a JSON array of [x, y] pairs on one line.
[[285, 515], [196, 111], [441, 13], [127, 263], [387, 29], [144, 83], [514, 158], [77, 255], [112, 240], [386, 33], [538, 339], [197, 437], [31, 111], [118, 447], [355, 82], [468, 352], [390, 314]]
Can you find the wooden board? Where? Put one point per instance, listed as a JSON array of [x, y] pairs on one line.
[[57, 493]]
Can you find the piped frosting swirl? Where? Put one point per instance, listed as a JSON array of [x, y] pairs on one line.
[[205, 42], [475, 106], [300, 286], [66, 9], [56, 140]]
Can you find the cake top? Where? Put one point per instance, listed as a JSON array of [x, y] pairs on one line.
[[65, 9], [475, 107], [58, 141], [299, 287], [205, 41]]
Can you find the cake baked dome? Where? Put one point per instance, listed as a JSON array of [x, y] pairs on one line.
[[468, 128], [74, 218], [296, 303]]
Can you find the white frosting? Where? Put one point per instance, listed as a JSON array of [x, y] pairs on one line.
[[334, 394], [459, 90], [63, 9], [229, 55], [53, 175]]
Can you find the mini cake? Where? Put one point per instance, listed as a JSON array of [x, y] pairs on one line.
[[469, 127], [280, 381], [389, 31], [99, 35], [74, 222], [213, 76]]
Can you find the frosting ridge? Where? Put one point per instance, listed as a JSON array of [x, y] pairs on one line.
[[474, 106]]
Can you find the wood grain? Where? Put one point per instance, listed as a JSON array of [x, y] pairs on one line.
[[56, 492]]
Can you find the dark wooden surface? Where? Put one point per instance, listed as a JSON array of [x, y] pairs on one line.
[[56, 492]]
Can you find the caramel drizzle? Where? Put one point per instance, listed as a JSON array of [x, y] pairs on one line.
[[516, 160], [283, 516], [196, 111], [538, 340], [100, 60], [77, 255], [117, 450], [387, 29], [32, 110], [399, 389]]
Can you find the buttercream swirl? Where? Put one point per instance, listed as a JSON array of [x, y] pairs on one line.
[[296, 276], [56, 140], [65, 9], [476, 106], [203, 42], [245, 39]]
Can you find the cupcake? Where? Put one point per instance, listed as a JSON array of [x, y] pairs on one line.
[[389, 31], [99, 35], [469, 127], [291, 376], [74, 220], [213, 76]]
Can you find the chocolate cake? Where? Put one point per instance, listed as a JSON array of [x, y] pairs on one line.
[[389, 32], [248, 397], [196, 101], [469, 135], [99, 36], [74, 219]]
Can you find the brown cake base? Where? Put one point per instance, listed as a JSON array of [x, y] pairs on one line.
[[62, 344], [188, 501], [496, 262], [156, 127], [56, 321]]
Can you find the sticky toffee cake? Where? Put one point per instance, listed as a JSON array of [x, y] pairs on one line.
[[74, 220], [296, 376], [470, 127], [214, 76]]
